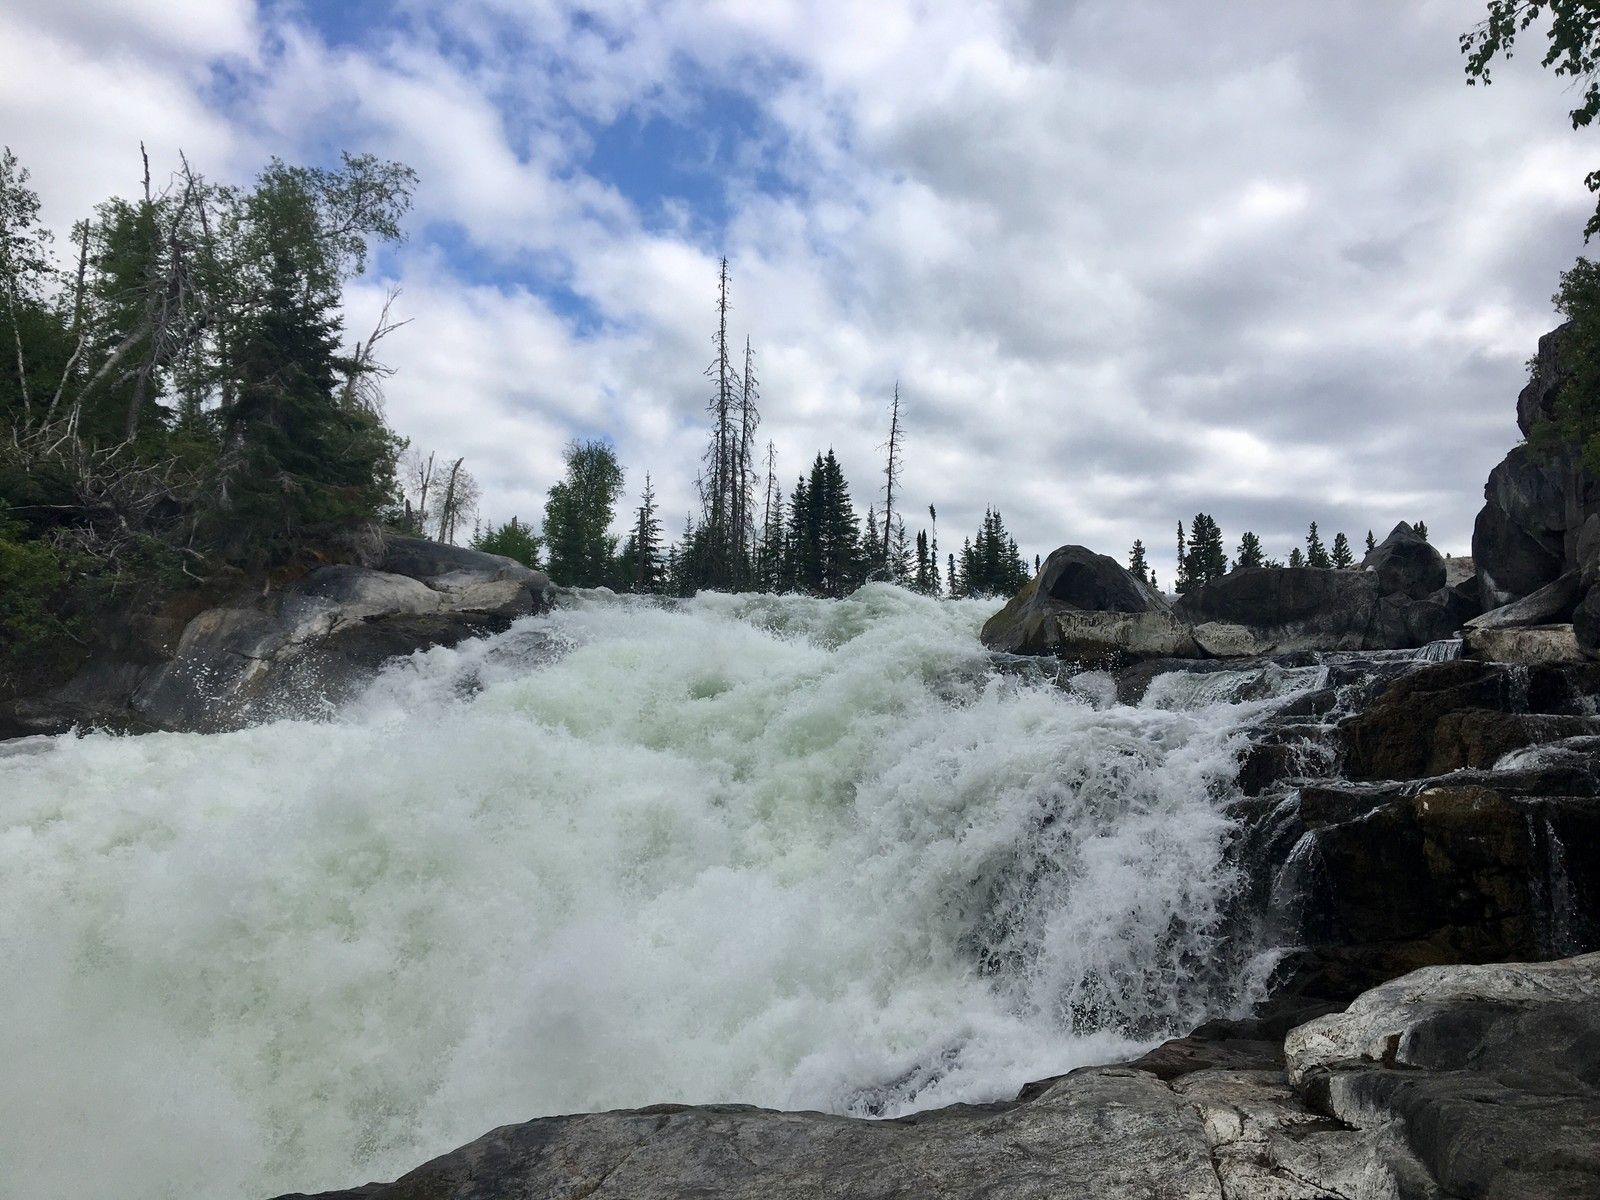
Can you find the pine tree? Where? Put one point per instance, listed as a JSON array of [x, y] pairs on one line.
[[719, 545], [1316, 552], [1371, 543], [933, 552], [1249, 554], [1205, 559], [512, 540], [838, 532], [891, 478], [1343, 559], [991, 564], [1296, 558], [1182, 583], [643, 560], [1422, 530], [1136, 561]]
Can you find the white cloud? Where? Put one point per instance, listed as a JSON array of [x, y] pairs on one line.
[[1128, 260]]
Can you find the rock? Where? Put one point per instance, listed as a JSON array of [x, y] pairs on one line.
[[1459, 569], [1485, 1077], [1406, 565], [1550, 605], [1586, 623], [1478, 737], [1586, 551], [1219, 639], [1393, 737], [1289, 608], [1086, 608], [1094, 1134], [297, 650], [1536, 402], [1542, 644]]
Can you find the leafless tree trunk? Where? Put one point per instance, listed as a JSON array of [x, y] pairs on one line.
[[891, 475]]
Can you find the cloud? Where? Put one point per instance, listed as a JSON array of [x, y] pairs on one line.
[[1129, 261]]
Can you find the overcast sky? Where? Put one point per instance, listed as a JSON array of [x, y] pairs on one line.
[[1129, 261]]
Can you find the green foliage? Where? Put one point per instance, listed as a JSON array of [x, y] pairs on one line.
[[1316, 553], [1576, 420], [1343, 559], [991, 564], [1372, 543], [1204, 559], [511, 540], [578, 515], [1250, 553], [1296, 558], [1572, 49], [1136, 561], [34, 590]]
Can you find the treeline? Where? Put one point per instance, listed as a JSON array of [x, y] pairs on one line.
[[178, 402], [1202, 557], [749, 533]]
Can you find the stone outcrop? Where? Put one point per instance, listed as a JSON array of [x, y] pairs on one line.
[[1452, 1081], [1086, 608], [293, 651], [1406, 565]]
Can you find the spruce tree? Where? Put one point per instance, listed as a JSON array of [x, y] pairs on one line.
[[1316, 552], [643, 560], [1296, 558], [1136, 561], [1250, 554], [1371, 542], [1182, 583], [1343, 559], [1205, 559], [1422, 530]]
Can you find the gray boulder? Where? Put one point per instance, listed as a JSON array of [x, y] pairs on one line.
[[1528, 645], [1586, 623], [1551, 604], [1087, 608], [1406, 564]]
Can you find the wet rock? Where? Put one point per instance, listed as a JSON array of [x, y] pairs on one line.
[[1550, 605], [1219, 639], [1393, 737], [1086, 608], [1104, 1133], [1405, 564], [1538, 645], [1586, 623]]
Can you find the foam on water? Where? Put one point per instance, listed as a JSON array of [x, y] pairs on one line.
[[775, 850]]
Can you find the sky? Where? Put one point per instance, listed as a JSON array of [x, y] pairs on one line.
[[1127, 261]]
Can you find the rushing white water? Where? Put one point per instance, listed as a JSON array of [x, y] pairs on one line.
[[784, 851]]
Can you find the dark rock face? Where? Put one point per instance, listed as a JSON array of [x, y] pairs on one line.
[[1406, 565], [1586, 623], [1086, 608], [291, 652]]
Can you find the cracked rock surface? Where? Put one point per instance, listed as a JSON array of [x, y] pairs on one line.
[[1450, 1082]]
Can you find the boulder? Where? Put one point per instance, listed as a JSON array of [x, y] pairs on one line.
[[1586, 623], [1550, 605], [1540, 644], [1220, 639], [1292, 608], [293, 651], [1511, 561], [1536, 403], [1086, 608], [1406, 565]]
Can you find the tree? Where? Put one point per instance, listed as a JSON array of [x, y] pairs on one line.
[[991, 564], [1296, 557], [1204, 560], [1572, 49], [1316, 552], [1136, 561], [1575, 421], [1422, 530], [458, 500], [644, 567], [1182, 582], [25, 265], [1343, 559], [1249, 554], [512, 540], [720, 544], [578, 515], [1371, 542], [891, 476]]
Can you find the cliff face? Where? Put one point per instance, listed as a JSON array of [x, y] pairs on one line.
[[293, 651]]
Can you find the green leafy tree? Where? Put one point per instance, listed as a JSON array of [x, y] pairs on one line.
[[1572, 50], [512, 540], [1343, 559], [578, 514], [1576, 420], [1249, 553]]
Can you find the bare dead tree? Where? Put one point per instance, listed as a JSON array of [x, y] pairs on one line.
[[460, 498], [362, 387], [891, 476]]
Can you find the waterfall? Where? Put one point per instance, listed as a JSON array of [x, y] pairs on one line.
[[775, 850], [1444, 650]]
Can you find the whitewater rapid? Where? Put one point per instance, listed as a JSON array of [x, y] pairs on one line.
[[790, 852]]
